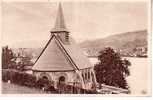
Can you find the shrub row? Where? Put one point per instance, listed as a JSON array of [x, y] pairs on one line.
[[69, 89], [24, 79], [19, 78], [29, 80]]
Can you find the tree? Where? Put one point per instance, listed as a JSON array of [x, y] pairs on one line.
[[8, 58], [112, 70], [24, 59]]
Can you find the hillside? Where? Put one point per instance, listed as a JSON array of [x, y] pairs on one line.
[[128, 44], [125, 42]]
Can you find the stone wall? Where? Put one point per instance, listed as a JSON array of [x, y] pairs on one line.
[[71, 77]]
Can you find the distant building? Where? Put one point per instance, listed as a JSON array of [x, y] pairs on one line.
[[62, 61]]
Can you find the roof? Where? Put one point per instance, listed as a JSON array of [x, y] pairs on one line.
[[57, 56], [76, 54], [60, 23]]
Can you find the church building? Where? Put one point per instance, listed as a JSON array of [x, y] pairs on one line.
[[62, 60]]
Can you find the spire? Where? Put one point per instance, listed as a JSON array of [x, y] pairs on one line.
[[60, 23]]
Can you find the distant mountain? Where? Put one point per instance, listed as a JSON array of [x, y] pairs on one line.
[[122, 42], [127, 43]]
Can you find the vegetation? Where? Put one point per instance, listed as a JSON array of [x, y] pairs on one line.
[[8, 58], [18, 61], [112, 70], [24, 79], [18, 77], [16, 89]]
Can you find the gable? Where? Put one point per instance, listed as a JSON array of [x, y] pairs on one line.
[[52, 59]]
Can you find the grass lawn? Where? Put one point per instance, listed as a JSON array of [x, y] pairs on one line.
[[16, 89]]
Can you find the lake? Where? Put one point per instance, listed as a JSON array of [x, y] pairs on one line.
[[140, 75]]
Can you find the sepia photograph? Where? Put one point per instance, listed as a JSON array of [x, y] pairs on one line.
[[84, 47]]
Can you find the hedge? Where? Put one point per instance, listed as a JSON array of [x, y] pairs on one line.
[[19, 78], [24, 79], [29, 80]]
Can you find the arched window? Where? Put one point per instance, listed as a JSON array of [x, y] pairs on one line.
[[61, 79], [45, 78], [85, 75], [92, 77], [88, 75]]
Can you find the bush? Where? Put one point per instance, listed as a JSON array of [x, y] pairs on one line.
[[5, 75], [69, 89], [51, 89], [19, 78], [29, 80]]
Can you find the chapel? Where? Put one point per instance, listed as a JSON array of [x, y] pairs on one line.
[[62, 60]]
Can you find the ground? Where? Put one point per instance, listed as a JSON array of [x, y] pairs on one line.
[[16, 89]]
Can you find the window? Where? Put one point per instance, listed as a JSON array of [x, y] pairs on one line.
[[67, 37], [85, 76], [82, 75], [88, 75]]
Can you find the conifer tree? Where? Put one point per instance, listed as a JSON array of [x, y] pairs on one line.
[[8, 58]]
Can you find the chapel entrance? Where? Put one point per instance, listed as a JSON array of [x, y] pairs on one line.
[[61, 84]]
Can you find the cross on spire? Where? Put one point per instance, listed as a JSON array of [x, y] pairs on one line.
[[60, 23]]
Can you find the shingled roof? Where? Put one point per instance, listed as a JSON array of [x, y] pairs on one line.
[[57, 56], [60, 23]]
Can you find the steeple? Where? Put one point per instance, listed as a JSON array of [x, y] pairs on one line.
[[60, 27], [60, 23]]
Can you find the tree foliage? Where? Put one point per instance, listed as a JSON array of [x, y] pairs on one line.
[[112, 70], [8, 58], [15, 61]]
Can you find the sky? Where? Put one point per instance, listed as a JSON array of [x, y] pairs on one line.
[[32, 21]]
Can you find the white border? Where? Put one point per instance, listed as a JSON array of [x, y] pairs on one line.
[[85, 96]]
